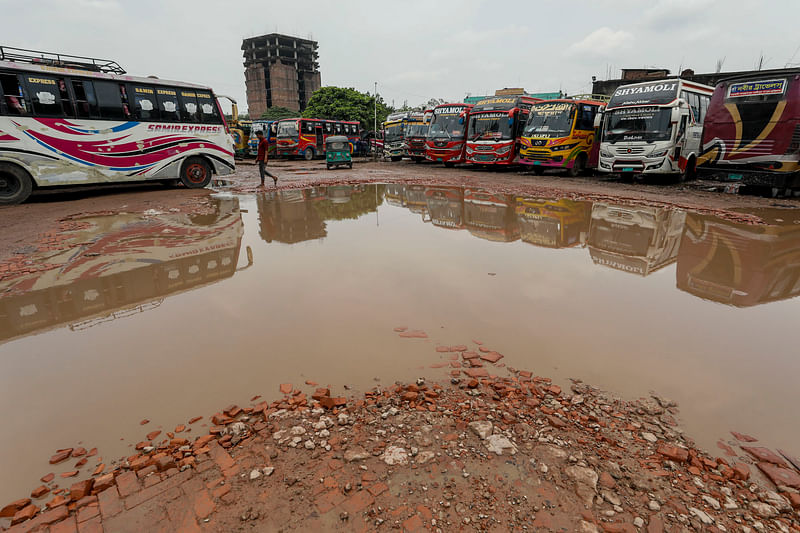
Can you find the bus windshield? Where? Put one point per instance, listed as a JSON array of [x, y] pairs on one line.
[[416, 130], [494, 126], [638, 124], [393, 132], [550, 120], [447, 126], [287, 129]]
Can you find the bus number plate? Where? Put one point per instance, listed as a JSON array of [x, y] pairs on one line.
[[735, 177], [537, 162], [627, 169]]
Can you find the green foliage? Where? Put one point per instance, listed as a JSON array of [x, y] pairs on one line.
[[277, 112], [362, 200], [340, 103]]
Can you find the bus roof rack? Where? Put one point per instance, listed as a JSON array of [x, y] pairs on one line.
[[21, 55], [589, 96]]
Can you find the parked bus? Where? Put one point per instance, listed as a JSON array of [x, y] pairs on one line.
[[305, 137], [396, 194], [445, 141], [637, 240], [68, 120], [415, 200], [752, 131], [394, 135], [553, 223], [560, 134], [740, 264], [490, 216], [416, 132], [654, 128], [495, 126], [270, 130]]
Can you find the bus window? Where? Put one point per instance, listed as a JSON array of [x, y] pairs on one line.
[[338, 128], [85, 100], [307, 126], [209, 113], [109, 100], [585, 118], [694, 103], [144, 103], [328, 128], [45, 95], [703, 107], [168, 104], [13, 95], [189, 109]]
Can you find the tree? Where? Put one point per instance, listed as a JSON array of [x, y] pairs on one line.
[[277, 112], [340, 103]]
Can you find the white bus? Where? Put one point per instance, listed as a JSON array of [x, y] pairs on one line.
[[654, 128], [68, 120]]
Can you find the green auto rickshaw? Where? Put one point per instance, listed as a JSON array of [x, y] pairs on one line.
[[338, 151]]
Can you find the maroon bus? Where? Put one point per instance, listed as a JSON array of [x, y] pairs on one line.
[[495, 127], [445, 141], [752, 130]]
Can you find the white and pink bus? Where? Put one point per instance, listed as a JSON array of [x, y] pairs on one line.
[[68, 120]]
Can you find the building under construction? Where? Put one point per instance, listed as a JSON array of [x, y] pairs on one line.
[[279, 70]]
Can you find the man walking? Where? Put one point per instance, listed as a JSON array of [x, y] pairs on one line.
[[262, 157]]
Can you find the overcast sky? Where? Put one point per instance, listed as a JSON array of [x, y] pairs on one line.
[[416, 49]]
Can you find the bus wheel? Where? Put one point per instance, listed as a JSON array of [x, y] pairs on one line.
[[15, 184], [308, 154], [396, 158], [195, 173], [578, 167], [538, 170], [688, 171]]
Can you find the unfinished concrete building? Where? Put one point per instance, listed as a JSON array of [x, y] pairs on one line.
[[279, 70]]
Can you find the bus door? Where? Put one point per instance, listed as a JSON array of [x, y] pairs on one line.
[[320, 138]]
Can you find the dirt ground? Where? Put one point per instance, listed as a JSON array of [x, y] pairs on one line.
[[483, 448]]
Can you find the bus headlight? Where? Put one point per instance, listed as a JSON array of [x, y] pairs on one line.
[[562, 147], [660, 153], [503, 150], [458, 146], [470, 150], [604, 154]]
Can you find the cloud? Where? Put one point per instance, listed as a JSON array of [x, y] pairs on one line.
[[601, 42]]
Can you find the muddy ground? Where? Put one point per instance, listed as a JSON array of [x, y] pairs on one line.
[[485, 448]]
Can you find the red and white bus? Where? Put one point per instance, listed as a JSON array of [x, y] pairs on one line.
[[495, 128], [69, 120], [445, 141], [305, 137]]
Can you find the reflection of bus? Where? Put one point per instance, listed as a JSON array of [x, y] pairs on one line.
[[270, 130], [445, 141], [490, 216], [638, 240], [415, 135], [740, 264], [124, 264], [74, 121], [654, 128], [396, 194], [445, 206], [752, 132], [306, 136], [560, 134], [415, 199], [495, 126], [554, 223], [288, 217]]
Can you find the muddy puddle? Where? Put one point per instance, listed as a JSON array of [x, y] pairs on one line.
[[167, 316]]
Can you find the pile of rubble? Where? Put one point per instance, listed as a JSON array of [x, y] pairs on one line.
[[481, 452]]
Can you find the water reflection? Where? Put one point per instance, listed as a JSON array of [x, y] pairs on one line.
[[124, 264], [731, 263]]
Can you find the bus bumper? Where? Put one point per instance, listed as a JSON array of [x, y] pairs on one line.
[[646, 165]]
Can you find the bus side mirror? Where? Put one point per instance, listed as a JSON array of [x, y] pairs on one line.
[[510, 121], [676, 113], [598, 119]]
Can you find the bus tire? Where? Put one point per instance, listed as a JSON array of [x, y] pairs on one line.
[[579, 167], [195, 173], [16, 184], [308, 155], [396, 158], [688, 171]]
